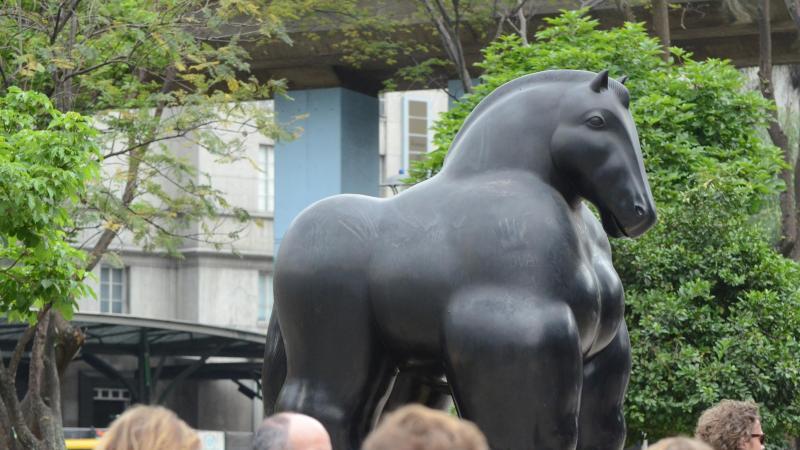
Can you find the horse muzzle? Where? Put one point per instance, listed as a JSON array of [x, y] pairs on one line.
[[631, 222], [642, 218]]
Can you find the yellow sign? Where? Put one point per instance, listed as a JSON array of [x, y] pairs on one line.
[[81, 444]]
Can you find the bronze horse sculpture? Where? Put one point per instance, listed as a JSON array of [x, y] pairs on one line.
[[493, 273]]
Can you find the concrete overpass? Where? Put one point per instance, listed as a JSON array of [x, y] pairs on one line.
[[704, 27]]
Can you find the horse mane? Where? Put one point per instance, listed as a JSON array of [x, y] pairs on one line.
[[530, 80]]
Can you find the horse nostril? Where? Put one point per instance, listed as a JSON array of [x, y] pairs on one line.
[[639, 210]]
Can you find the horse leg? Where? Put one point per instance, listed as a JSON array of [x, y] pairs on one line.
[[514, 365], [337, 370], [273, 372], [605, 378]]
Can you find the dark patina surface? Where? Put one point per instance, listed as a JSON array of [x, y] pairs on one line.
[[493, 273]]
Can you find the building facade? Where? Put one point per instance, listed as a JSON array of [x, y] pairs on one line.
[[229, 287]]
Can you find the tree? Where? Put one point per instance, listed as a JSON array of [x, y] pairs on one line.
[[661, 25], [790, 197], [711, 307], [46, 160], [407, 39], [146, 72]]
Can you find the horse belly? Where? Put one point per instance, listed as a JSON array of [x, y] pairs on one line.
[[408, 291]]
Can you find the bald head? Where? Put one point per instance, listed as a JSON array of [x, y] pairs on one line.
[[291, 431]]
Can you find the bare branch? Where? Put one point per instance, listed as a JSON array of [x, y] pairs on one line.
[[661, 26], [132, 179], [36, 370], [789, 231], [8, 393], [59, 24], [624, 6], [450, 40], [523, 22], [146, 143], [22, 342], [590, 3], [794, 11]]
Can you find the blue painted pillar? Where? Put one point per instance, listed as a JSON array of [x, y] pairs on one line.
[[456, 89], [336, 151]]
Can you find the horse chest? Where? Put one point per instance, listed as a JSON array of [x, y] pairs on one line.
[[598, 304]]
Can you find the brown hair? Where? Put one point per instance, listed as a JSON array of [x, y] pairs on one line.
[[679, 443], [416, 427], [727, 425], [149, 428]]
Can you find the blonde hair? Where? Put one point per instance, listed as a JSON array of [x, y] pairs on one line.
[[726, 425], [149, 428], [416, 427], [679, 443]]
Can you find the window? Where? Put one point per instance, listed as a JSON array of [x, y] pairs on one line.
[[112, 394], [108, 403], [112, 290], [264, 296], [416, 134], [266, 178]]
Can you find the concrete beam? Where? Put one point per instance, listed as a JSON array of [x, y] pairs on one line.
[[703, 27]]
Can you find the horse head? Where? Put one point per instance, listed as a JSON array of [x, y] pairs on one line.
[[595, 147]]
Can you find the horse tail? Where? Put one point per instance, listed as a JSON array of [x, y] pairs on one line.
[[273, 372]]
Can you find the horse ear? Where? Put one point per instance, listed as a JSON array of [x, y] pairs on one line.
[[600, 82], [623, 79]]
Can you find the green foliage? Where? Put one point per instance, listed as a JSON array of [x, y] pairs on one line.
[[403, 35], [713, 313], [712, 309], [46, 159], [152, 73]]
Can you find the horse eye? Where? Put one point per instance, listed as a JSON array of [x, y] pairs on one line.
[[595, 122]]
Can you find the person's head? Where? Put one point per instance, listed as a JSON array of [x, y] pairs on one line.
[[149, 428], [679, 443], [291, 431], [731, 425], [416, 427]]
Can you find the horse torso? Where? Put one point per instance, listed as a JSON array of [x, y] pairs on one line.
[[504, 229]]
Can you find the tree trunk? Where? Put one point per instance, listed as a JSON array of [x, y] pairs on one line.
[[788, 204], [661, 26], [795, 253], [450, 40], [624, 6], [794, 11]]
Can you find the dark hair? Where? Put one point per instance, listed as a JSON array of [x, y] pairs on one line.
[[416, 427], [727, 424], [273, 433]]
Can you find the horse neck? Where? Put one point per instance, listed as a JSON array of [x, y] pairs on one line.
[[509, 135]]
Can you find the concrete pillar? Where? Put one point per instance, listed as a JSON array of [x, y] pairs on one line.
[[456, 89], [336, 152]]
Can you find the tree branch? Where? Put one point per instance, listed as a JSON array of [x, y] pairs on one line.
[[661, 26], [624, 7], [8, 393], [22, 342], [132, 177], [6, 439], [451, 42], [523, 21], [59, 24], [793, 6], [181, 133], [789, 232], [36, 370]]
